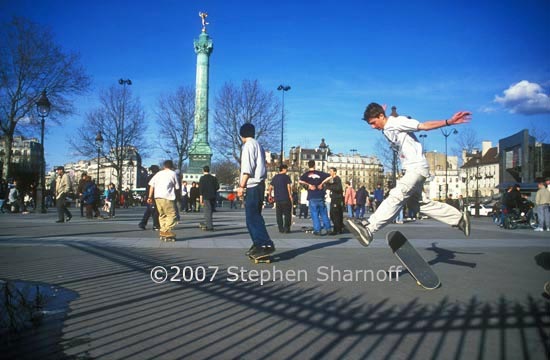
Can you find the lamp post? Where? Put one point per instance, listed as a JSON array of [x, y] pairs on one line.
[[283, 88], [43, 106], [124, 83], [323, 148], [447, 134], [353, 152], [98, 145], [423, 137], [478, 160]]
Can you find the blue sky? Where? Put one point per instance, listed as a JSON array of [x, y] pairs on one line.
[[428, 58]]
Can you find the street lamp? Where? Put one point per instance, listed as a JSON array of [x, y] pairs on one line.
[[353, 152], [323, 148], [447, 134], [98, 145], [122, 82], [284, 88], [478, 160], [423, 137], [43, 107]]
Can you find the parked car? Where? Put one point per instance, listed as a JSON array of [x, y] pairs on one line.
[[484, 210]]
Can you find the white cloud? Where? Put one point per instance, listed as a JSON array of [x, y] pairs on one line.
[[487, 109], [525, 98]]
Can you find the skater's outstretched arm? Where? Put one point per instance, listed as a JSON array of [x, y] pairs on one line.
[[461, 117]]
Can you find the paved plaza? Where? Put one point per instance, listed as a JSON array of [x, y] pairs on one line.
[[135, 297]]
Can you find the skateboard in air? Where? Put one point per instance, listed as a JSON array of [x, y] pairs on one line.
[[413, 261], [168, 236]]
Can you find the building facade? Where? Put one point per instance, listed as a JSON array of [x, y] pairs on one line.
[[359, 170], [480, 173]]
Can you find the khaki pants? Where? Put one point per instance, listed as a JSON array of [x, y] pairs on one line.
[[167, 214], [410, 186]]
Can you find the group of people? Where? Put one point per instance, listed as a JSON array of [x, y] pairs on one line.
[[163, 191], [399, 131]]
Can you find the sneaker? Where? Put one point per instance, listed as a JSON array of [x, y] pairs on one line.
[[68, 218], [539, 229], [262, 251], [324, 232], [360, 231], [464, 223], [156, 228], [250, 250], [141, 226], [60, 221]]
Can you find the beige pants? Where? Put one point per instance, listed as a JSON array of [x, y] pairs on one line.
[[167, 213], [411, 186]]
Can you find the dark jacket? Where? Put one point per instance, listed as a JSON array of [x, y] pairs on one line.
[[336, 189], [208, 187], [361, 196]]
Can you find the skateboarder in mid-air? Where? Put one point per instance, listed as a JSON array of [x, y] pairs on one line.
[[399, 130]]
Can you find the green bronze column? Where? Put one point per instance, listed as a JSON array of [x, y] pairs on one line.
[[200, 153]]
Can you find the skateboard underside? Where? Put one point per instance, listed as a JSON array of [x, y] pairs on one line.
[[413, 261]]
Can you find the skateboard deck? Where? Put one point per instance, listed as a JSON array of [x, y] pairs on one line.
[[413, 261], [169, 238], [307, 229], [265, 259]]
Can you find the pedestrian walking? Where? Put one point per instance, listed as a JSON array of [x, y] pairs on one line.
[[281, 187], [253, 175], [334, 184], [194, 195], [361, 202], [80, 191], [208, 188], [112, 196], [399, 130], [62, 189], [378, 195], [184, 197], [303, 204], [349, 199], [542, 202], [151, 209], [162, 188]]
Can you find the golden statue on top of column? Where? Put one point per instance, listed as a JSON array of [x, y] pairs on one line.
[[203, 15]]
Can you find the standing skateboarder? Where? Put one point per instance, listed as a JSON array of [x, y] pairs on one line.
[[162, 189], [253, 175], [399, 130]]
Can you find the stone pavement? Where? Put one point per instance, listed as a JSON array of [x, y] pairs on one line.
[[323, 297]]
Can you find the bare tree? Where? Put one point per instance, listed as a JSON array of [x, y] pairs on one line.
[[467, 139], [226, 171], [30, 62], [540, 134], [175, 116], [249, 103], [119, 114]]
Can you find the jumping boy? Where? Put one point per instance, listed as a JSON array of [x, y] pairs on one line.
[[399, 130]]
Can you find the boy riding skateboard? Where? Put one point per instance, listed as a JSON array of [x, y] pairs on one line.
[[399, 130]]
